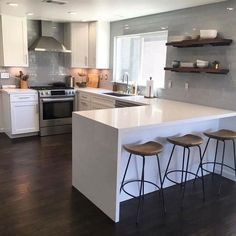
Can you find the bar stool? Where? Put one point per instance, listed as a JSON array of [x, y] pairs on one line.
[[144, 150], [187, 141], [220, 135]]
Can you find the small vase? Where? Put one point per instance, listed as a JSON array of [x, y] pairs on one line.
[[23, 84]]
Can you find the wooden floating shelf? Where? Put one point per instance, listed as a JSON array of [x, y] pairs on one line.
[[200, 43], [198, 70]]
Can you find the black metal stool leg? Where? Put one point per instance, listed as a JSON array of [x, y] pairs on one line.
[[204, 152], [186, 175], [168, 163], [182, 173], [140, 192], [223, 157], [234, 156], [222, 165], [216, 151], [143, 181], [201, 159], [161, 184], [123, 180]]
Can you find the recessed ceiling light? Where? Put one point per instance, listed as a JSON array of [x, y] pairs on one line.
[[29, 13], [12, 4], [72, 12], [230, 8], [164, 27]]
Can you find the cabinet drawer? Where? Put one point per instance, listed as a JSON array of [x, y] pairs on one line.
[[84, 96], [24, 97], [103, 101], [84, 105]]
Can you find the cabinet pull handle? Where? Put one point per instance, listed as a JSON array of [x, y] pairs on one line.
[[24, 97], [86, 60], [26, 59]]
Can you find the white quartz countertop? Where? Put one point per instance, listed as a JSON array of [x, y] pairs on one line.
[[19, 91], [155, 112]]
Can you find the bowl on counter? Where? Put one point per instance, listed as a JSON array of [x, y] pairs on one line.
[[208, 34]]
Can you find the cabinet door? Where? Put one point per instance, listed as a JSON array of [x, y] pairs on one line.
[[14, 41], [79, 45], [84, 105], [99, 45], [98, 106], [24, 117]]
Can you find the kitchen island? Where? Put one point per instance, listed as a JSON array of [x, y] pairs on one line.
[[98, 136]]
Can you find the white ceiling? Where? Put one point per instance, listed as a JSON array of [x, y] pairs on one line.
[[89, 10]]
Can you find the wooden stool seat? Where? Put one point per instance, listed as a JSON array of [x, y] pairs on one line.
[[188, 140], [147, 149], [222, 134]]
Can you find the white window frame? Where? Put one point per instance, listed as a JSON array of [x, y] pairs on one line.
[[133, 36]]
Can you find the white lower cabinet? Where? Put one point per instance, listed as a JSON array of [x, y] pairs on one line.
[[88, 101], [21, 114], [84, 105], [24, 117]]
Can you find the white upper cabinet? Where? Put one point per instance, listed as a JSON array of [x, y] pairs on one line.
[[76, 39], [89, 43], [99, 45], [13, 41]]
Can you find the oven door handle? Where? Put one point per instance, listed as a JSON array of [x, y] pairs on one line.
[[57, 99]]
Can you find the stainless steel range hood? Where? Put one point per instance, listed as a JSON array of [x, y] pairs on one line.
[[47, 43]]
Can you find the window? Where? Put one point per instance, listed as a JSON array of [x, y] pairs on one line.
[[141, 56]]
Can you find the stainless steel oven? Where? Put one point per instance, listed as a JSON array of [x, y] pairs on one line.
[[56, 107]]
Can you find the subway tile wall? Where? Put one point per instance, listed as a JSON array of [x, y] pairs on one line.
[[206, 89], [44, 67]]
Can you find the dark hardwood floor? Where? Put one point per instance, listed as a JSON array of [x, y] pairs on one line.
[[36, 198]]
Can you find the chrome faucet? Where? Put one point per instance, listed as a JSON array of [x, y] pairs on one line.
[[126, 76]]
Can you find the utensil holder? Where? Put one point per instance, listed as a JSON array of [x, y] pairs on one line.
[[23, 84]]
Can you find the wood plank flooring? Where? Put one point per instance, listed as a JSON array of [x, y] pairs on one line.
[[36, 198]]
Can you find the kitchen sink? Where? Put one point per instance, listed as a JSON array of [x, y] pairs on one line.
[[118, 94]]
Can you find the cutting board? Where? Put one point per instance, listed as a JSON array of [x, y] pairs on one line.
[[93, 80]]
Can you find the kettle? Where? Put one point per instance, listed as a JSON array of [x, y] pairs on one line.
[[70, 81]]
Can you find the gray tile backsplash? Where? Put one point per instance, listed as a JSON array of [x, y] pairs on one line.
[[206, 89], [44, 67]]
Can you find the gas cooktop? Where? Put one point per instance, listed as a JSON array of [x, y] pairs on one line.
[[50, 87], [53, 86]]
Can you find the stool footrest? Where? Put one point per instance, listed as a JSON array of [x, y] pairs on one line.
[[180, 171], [216, 163], [133, 181]]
